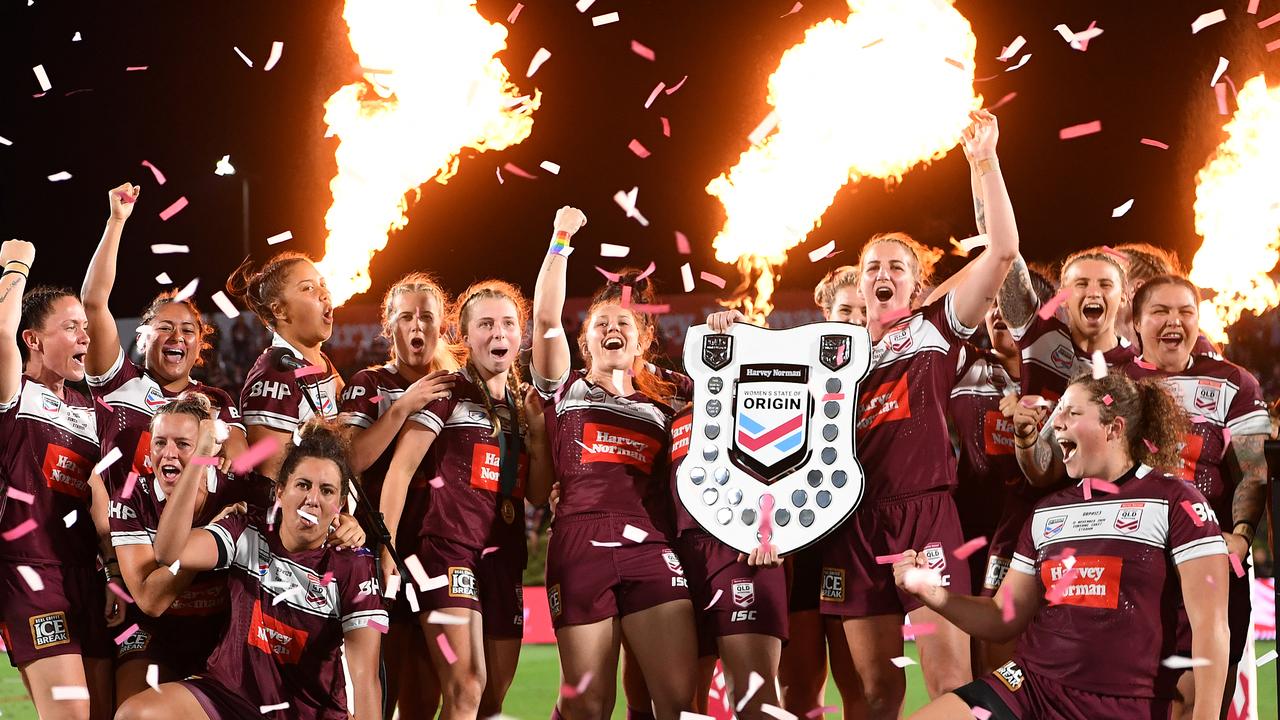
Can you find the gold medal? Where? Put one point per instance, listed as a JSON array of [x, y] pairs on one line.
[[508, 511]]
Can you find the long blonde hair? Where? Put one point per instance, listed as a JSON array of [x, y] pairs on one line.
[[445, 355], [492, 290]]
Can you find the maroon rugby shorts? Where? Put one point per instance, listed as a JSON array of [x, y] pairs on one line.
[[1010, 692], [501, 577], [747, 599], [181, 645], [854, 584], [220, 702], [587, 583], [806, 579], [65, 618], [467, 571], [995, 564]]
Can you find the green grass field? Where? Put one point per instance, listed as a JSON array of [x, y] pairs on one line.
[[537, 682]]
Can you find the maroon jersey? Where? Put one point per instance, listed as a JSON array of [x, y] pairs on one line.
[[1218, 395], [50, 447], [469, 508], [986, 467], [902, 426], [370, 393], [1050, 358], [681, 434], [287, 624], [1117, 616], [273, 397], [610, 453], [134, 396]]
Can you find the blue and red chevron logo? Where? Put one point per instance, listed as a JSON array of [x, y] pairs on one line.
[[784, 437]]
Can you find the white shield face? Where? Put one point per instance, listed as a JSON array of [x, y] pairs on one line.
[[770, 447]]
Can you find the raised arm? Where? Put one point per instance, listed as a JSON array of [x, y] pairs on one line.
[[98, 281], [981, 617], [176, 540], [977, 290], [1036, 448], [1204, 592], [16, 257], [541, 472], [551, 354]]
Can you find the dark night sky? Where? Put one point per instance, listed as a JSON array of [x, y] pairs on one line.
[[1146, 76]]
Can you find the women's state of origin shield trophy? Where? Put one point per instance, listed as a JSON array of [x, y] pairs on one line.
[[772, 438]]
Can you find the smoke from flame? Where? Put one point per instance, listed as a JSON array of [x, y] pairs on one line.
[[875, 95], [1238, 213], [432, 88]]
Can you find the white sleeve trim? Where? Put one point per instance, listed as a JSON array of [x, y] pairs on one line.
[[957, 327], [1022, 564], [361, 619], [227, 546], [356, 419], [427, 420], [12, 402], [1198, 548], [1253, 423], [134, 537], [546, 386], [103, 379], [275, 421]]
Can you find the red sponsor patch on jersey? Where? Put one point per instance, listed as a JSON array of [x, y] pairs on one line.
[[997, 433], [67, 471], [486, 469], [275, 638], [1192, 447], [681, 433], [612, 444], [887, 403], [1096, 583], [142, 455]]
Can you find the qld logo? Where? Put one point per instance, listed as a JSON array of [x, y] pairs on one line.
[[1129, 519], [771, 426]]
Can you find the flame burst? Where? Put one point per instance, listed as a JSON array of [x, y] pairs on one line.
[[1238, 213], [872, 96], [432, 88]]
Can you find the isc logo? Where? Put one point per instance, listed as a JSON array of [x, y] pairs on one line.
[[269, 388], [740, 615]]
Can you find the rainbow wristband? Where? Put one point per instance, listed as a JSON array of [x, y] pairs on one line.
[[560, 244]]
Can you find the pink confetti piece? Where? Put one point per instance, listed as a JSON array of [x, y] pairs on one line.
[[1143, 364], [488, 550], [1003, 101], [647, 271], [640, 150], [713, 279], [820, 253], [1075, 131], [893, 316], [1272, 47], [120, 592], [954, 63], [202, 460], [642, 50], [1056, 591], [1226, 438], [651, 309], [671, 90], [1262, 24], [127, 632], [626, 300], [1088, 488], [980, 713], [515, 13], [1198, 419], [824, 710], [380, 627], [610, 276], [682, 244], [174, 209], [154, 171], [666, 127], [23, 528], [255, 454], [277, 49], [653, 95], [1047, 310], [1151, 447], [541, 56], [1191, 511], [794, 9], [1154, 143], [832, 397], [766, 519], [1236, 566], [714, 598], [1220, 95], [436, 482], [20, 496], [1006, 604], [518, 171], [1207, 19], [969, 548], [129, 482], [328, 578], [888, 559], [1107, 399], [1103, 486], [309, 370], [498, 171], [918, 630]]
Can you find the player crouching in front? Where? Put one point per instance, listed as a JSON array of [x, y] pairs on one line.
[[294, 601], [1092, 581]]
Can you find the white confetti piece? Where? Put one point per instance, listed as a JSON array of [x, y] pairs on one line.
[[153, 676], [821, 252], [1178, 662], [754, 681], [1217, 74], [1099, 365], [1013, 49], [175, 567], [60, 176], [42, 77], [434, 583], [550, 167], [553, 333], [107, 460], [611, 250], [776, 712], [411, 597], [418, 572], [606, 543], [224, 166], [393, 587], [187, 290], [69, 519], [1122, 208], [766, 126], [634, 534], [539, 57], [902, 661], [277, 48], [224, 304], [164, 279], [686, 277], [584, 5], [714, 598], [264, 709], [442, 618], [627, 201], [243, 57], [69, 692], [1266, 658], [308, 517], [292, 593], [5, 140], [1021, 61], [1207, 19], [31, 578], [686, 715], [606, 19], [76, 37], [280, 237]]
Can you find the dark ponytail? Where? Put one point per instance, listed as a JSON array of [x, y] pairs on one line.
[[262, 288]]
